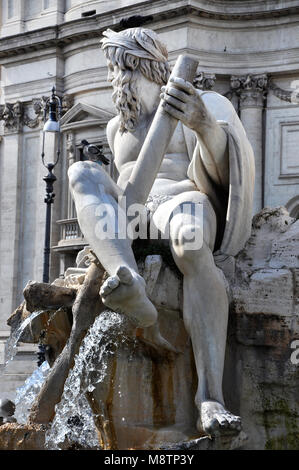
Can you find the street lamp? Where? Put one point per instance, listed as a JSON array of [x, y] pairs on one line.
[[52, 124]]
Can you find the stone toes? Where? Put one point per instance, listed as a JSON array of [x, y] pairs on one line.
[[112, 282], [230, 422], [212, 427], [109, 286], [238, 424], [234, 420], [124, 275], [105, 290], [223, 422]]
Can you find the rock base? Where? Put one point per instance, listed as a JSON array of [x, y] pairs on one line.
[[15, 436], [32, 437], [207, 443]]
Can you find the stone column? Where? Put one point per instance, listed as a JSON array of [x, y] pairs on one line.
[[251, 91], [71, 158]]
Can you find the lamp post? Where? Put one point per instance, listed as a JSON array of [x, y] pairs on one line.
[[53, 108]]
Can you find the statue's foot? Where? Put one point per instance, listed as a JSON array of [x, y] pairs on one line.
[[125, 293], [153, 337], [216, 421]]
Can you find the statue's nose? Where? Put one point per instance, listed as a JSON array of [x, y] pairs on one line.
[[110, 76]]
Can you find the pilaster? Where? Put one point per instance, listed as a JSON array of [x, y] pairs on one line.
[[251, 90]]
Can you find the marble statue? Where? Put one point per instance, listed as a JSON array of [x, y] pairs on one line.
[[208, 164], [7, 409]]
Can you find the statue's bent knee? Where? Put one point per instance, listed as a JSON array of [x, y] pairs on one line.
[[81, 174], [75, 172], [186, 240]]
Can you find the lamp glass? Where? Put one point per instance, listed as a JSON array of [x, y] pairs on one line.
[[51, 126]]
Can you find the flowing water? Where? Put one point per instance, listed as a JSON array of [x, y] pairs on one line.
[[73, 422], [11, 348], [26, 394]]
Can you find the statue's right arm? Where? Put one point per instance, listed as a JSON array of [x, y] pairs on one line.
[[111, 131]]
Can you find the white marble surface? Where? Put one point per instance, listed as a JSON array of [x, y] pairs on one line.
[[153, 157], [230, 46]]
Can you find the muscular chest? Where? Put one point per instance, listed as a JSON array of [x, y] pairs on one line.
[[128, 145]]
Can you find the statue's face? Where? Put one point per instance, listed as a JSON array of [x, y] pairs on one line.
[[113, 71]]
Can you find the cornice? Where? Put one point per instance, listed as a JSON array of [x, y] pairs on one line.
[[249, 9], [159, 10]]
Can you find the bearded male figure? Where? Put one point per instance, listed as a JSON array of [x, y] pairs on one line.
[[209, 164]]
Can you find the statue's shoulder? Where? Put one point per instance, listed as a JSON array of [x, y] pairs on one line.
[[113, 125], [111, 130], [218, 105], [213, 96]]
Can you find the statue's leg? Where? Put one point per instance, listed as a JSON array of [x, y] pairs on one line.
[[92, 189], [205, 308], [95, 195]]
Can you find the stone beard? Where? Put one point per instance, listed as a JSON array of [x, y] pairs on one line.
[[151, 63], [125, 98]]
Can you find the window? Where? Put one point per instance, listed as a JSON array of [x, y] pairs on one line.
[[10, 8], [33, 8]]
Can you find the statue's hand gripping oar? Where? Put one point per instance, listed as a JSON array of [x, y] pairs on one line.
[[156, 142]]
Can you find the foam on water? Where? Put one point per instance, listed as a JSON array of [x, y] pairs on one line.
[[26, 394], [73, 422], [11, 348]]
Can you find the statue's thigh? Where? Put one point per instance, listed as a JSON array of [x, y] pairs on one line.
[[186, 210], [90, 178]]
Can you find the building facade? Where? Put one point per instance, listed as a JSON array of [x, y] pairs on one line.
[[247, 51]]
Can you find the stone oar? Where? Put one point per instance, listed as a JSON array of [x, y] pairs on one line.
[[156, 142], [88, 303]]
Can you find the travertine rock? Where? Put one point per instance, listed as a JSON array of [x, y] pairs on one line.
[[260, 381], [149, 399], [22, 437], [42, 296]]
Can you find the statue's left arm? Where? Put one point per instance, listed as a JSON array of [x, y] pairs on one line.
[[222, 157], [182, 101]]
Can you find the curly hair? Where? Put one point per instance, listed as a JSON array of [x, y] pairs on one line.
[[124, 96]]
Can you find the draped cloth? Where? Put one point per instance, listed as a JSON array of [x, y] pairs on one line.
[[233, 207]]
